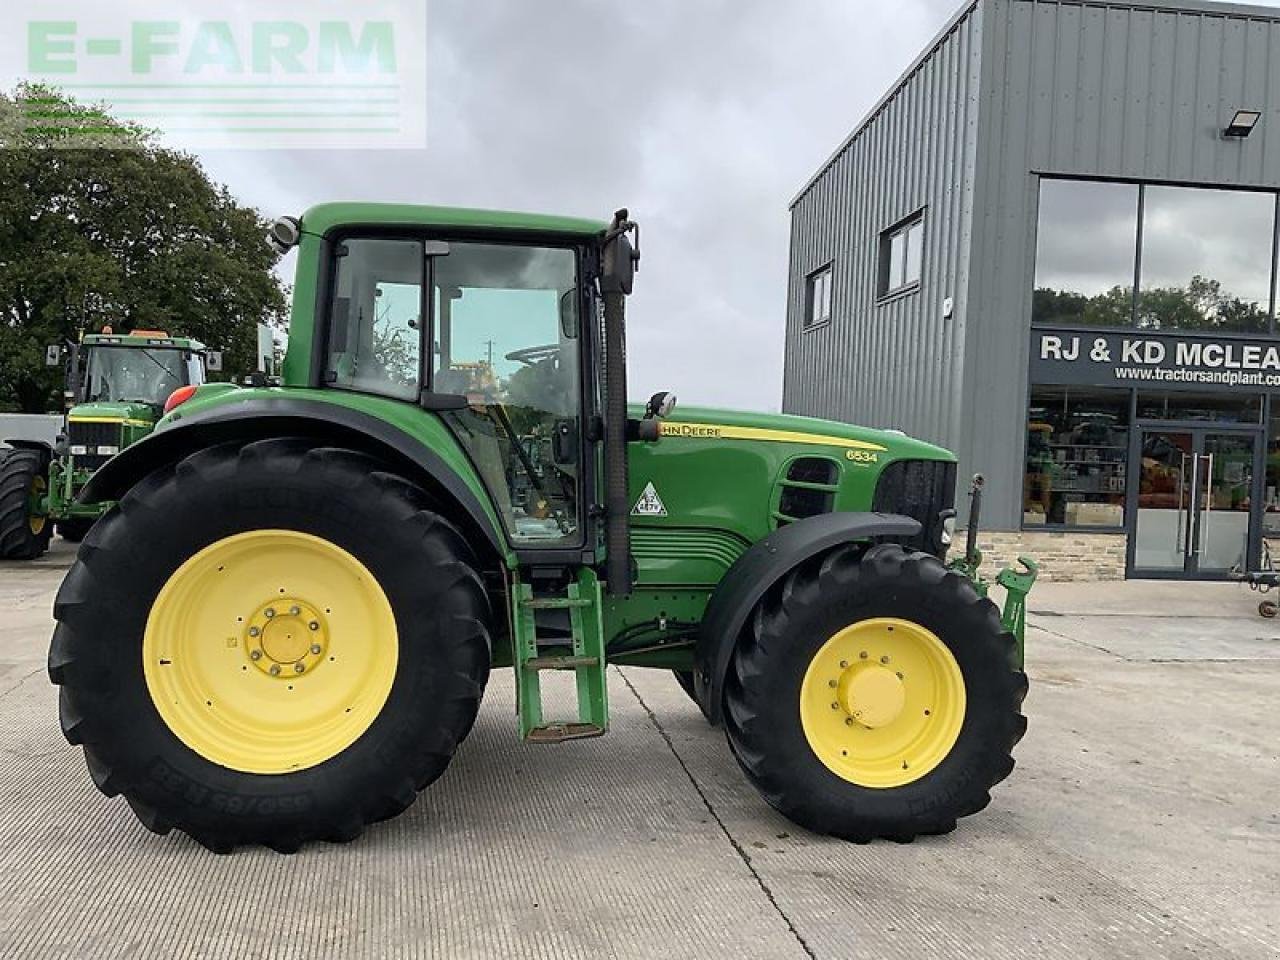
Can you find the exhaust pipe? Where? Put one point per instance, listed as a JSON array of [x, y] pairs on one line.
[[616, 279]]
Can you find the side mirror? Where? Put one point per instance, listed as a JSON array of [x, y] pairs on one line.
[[620, 259], [53, 355], [213, 361], [564, 442], [569, 315]]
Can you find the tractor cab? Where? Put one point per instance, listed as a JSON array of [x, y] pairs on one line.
[[117, 387]]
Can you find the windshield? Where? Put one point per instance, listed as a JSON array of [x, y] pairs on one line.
[[129, 374]]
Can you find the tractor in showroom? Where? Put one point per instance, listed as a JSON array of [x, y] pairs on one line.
[[116, 388], [283, 629]]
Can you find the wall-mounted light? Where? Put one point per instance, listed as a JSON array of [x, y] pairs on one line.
[[1242, 124]]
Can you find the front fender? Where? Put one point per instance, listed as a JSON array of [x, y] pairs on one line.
[[263, 417], [757, 570]]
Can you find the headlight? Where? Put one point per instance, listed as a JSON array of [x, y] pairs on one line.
[[79, 449], [948, 531], [108, 450]]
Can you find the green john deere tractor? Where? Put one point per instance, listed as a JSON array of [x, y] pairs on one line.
[[117, 386], [283, 630]]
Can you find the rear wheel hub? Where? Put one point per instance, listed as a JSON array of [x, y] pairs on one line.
[[290, 634]]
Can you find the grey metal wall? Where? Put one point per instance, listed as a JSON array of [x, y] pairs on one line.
[[1136, 91], [895, 364], [1012, 90]]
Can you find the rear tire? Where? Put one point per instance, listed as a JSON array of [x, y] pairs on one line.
[[74, 529], [22, 535], [224, 785], [834, 786]]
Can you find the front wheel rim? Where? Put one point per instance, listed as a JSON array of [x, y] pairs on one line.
[[882, 702], [36, 520], [270, 651]]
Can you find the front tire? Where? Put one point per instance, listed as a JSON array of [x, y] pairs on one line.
[[270, 645], [24, 534], [875, 695]]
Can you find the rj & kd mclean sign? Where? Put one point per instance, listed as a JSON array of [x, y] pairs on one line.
[[1135, 358]]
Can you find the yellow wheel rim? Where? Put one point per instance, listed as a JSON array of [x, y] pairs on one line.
[[882, 702], [270, 651], [37, 521]]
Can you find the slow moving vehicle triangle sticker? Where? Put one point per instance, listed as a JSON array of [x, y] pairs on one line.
[[649, 504]]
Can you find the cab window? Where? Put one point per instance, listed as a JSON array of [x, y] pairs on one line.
[[376, 317], [506, 337]]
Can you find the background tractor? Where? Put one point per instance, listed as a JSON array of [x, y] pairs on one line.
[[283, 630], [116, 388]]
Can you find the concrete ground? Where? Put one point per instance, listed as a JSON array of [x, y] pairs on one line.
[[1143, 821]]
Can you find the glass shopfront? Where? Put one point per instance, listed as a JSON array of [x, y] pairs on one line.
[[1154, 405]]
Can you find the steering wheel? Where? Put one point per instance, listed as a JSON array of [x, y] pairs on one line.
[[534, 355]]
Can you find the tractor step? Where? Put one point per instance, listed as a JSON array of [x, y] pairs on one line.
[[560, 732], [557, 603], [560, 663], [587, 660]]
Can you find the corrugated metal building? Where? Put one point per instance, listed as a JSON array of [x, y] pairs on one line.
[[1052, 248]]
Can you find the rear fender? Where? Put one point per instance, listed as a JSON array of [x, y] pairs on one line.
[[328, 423], [757, 570], [45, 449]]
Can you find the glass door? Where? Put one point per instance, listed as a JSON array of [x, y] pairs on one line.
[[1161, 537], [1224, 503], [1193, 507]]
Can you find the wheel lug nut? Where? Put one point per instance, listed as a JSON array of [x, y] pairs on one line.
[[254, 631], [255, 654], [862, 655], [835, 706], [843, 664], [884, 659], [298, 668], [900, 676], [269, 612], [848, 722], [275, 669], [315, 649], [832, 683], [314, 625], [294, 611]]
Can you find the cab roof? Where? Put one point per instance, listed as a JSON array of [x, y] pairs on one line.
[[328, 216]]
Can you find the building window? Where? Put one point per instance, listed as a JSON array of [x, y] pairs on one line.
[[1086, 245], [1077, 446], [1202, 260], [1210, 407], [902, 256], [1206, 260], [817, 298]]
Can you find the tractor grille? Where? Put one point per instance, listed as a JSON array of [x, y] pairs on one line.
[[807, 490], [91, 436], [922, 490]]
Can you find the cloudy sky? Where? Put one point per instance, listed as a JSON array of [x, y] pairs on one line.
[[717, 112], [704, 117]]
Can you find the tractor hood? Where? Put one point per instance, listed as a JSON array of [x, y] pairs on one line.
[[712, 423], [132, 413]]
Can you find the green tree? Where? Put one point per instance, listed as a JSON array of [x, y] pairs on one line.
[[99, 224]]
